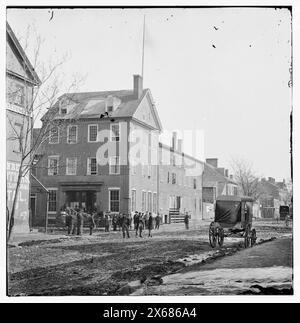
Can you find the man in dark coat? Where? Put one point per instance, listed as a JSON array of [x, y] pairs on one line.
[[74, 221], [186, 221], [150, 224], [136, 222], [124, 225], [79, 222], [91, 222], [69, 220], [157, 222]]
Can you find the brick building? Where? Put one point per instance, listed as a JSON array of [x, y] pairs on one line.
[[104, 154], [272, 195], [20, 82]]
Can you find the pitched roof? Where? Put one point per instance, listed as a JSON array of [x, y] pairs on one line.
[[29, 68], [211, 176], [92, 104]]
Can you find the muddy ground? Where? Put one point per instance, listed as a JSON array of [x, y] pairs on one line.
[[105, 263]]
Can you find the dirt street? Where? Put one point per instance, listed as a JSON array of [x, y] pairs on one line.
[[107, 264]]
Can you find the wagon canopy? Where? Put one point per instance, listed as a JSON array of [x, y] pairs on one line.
[[228, 208]]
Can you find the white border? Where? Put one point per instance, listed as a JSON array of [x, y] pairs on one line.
[[163, 299]]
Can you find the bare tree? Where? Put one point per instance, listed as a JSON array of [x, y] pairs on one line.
[[36, 101], [246, 178]]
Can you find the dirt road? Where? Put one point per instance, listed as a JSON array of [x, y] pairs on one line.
[[104, 263]]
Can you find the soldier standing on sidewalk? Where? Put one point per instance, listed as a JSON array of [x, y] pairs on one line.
[[69, 220], [79, 222], [124, 224], [186, 221]]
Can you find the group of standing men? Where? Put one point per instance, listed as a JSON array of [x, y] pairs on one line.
[[142, 221], [75, 218], [145, 221]]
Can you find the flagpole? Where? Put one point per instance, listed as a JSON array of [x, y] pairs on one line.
[[143, 47]]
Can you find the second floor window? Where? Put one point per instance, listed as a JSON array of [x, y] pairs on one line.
[[54, 137], [72, 134], [92, 166], [93, 132], [114, 165], [19, 95], [53, 166], [71, 166], [115, 132], [173, 178]]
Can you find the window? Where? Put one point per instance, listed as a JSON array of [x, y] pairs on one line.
[[53, 165], [114, 132], [195, 183], [19, 95], [71, 166], [235, 191], [72, 134], [173, 178], [54, 136], [144, 197], [92, 132], [92, 166], [149, 205], [63, 110], [18, 137], [52, 205], [110, 108], [114, 200], [168, 177], [154, 203], [114, 165], [133, 200]]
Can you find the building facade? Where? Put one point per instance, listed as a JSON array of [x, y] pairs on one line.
[[105, 154], [216, 182], [21, 79]]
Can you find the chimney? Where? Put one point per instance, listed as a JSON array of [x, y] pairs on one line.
[[137, 86], [221, 170], [179, 145], [174, 140], [226, 172], [212, 162]]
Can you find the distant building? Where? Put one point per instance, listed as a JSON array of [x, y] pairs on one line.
[[216, 182], [179, 186], [272, 195], [20, 82], [85, 162]]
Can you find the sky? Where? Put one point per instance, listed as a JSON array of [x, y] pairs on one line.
[[221, 71]]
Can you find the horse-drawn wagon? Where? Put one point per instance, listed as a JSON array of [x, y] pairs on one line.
[[233, 218]]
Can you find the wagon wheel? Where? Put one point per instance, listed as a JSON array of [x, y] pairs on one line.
[[220, 236], [253, 237], [212, 235], [247, 237]]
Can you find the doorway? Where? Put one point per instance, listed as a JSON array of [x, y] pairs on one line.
[[81, 199]]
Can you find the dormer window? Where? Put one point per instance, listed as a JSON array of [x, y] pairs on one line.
[[63, 110], [110, 108]]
